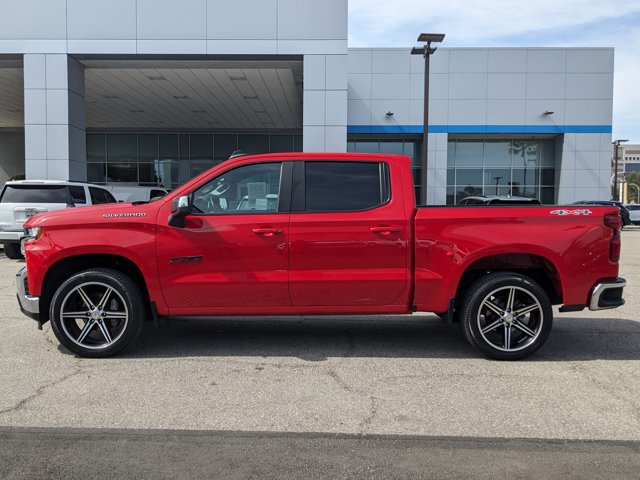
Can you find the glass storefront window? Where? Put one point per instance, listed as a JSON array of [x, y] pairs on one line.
[[497, 153], [147, 147], [507, 166], [469, 153], [281, 143], [251, 144], [96, 147]]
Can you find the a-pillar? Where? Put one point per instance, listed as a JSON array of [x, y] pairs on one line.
[[54, 124]]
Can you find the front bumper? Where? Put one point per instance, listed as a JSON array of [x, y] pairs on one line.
[[29, 305], [607, 294]]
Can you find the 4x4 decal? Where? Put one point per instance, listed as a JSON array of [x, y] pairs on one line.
[[571, 212]]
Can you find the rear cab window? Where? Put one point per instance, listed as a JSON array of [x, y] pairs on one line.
[[35, 194], [343, 186]]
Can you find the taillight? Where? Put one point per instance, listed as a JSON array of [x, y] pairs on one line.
[[614, 222]]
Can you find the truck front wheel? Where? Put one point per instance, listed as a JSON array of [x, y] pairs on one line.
[[506, 316], [97, 312]]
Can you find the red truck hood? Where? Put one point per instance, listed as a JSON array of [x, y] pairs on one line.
[[93, 214]]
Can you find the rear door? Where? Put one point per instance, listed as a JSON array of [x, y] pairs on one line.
[[348, 235]]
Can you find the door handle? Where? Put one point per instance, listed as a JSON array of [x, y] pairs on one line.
[[267, 231], [384, 230]]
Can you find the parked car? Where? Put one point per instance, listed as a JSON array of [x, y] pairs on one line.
[[135, 193], [624, 213], [22, 199], [634, 213], [498, 200], [316, 233]]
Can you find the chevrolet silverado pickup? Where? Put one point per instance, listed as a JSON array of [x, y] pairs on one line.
[[325, 233]]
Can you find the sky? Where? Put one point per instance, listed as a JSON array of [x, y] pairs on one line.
[[504, 23]]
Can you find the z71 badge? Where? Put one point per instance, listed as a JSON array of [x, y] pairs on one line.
[[571, 212]]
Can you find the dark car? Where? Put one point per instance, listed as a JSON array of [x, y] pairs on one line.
[[624, 213], [498, 200]]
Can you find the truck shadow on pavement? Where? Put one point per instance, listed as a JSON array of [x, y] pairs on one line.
[[320, 338]]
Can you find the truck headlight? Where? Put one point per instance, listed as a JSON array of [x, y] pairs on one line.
[[32, 233]]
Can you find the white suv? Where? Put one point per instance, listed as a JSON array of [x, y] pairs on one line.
[[22, 199]]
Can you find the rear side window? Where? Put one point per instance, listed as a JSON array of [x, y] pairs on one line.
[[78, 195], [99, 195], [35, 194], [345, 186]]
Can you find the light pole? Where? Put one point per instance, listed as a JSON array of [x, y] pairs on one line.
[[426, 51], [616, 144]]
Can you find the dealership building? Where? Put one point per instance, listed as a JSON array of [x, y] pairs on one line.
[[153, 92]]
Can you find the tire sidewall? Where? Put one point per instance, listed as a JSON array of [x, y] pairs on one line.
[[12, 251], [124, 286], [483, 287]]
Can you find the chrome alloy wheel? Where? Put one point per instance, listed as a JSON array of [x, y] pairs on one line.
[[510, 319], [94, 315]]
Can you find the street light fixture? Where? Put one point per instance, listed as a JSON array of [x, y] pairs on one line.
[[616, 144], [426, 51]]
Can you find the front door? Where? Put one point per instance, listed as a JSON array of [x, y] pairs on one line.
[[233, 249]]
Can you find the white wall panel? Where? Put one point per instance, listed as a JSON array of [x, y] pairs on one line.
[[399, 108], [171, 20], [467, 86], [546, 85], [506, 85], [336, 108], [545, 60], [590, 60], [33, 19], [358, 112], [359, 60], [359, 86], [468, 61], [506, 112], [590, 85], [390, 61], [310, 19], [314, 72], [390, 85], [588, 112], [242, 19], [467, 112], [100, 20], [507, 60], [336, 72]]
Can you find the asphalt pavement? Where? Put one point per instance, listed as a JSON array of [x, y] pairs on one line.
[[404, 396]]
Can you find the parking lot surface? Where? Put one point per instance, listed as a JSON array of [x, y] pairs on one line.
[[392, 376]]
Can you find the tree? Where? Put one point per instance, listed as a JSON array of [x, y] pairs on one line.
[[632, 190]]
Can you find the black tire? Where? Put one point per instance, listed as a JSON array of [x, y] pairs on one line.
[[498, 331], [12, 251], [77, 302]]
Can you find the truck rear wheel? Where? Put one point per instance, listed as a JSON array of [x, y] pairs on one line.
[[506, 316], [12, 251], [97, 312]]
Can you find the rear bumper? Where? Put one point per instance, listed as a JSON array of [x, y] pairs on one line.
[[11, 237], [29, 305], [607, 294]]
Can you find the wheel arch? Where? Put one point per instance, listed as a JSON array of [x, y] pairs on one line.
[[536, 267], [64, 268]]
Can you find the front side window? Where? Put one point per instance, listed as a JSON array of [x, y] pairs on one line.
[[247, 189], [344, 186]]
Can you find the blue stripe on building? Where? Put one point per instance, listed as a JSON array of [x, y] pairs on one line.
[[508, 129]]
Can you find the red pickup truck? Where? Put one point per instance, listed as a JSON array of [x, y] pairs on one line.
[[325, 233]]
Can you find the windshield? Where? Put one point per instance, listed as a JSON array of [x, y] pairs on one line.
[[35, 194]]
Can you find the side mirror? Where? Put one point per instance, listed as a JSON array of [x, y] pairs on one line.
[[180, 208]]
